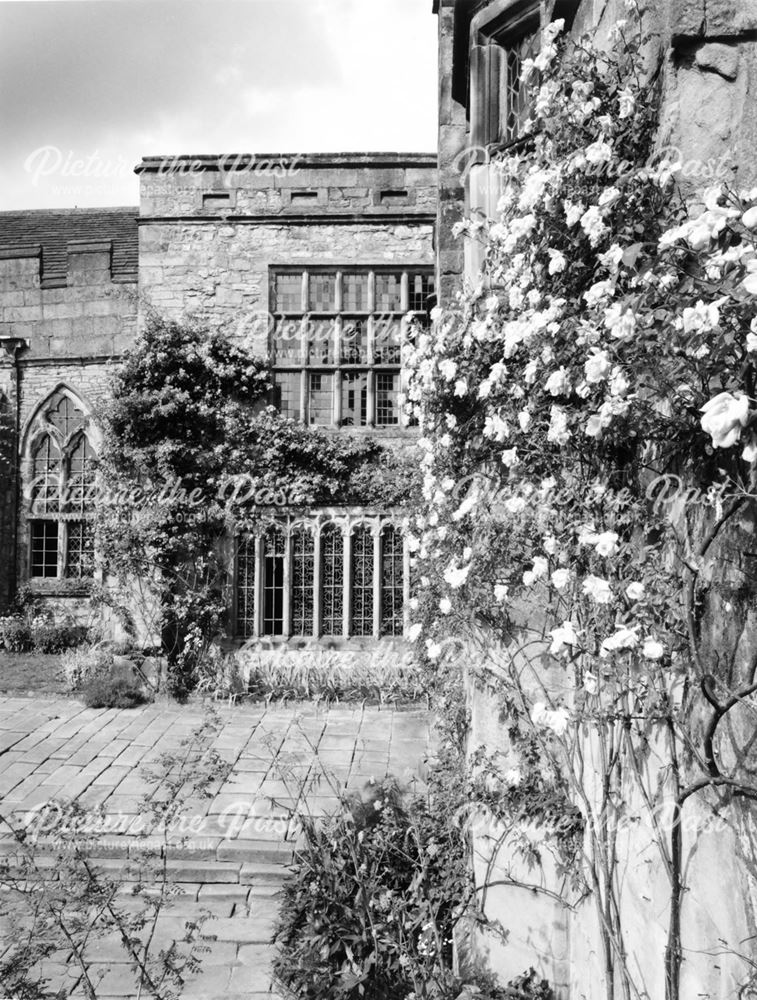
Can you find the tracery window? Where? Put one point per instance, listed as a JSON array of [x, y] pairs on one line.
[[59, 490], [337, 341], [340, 576]]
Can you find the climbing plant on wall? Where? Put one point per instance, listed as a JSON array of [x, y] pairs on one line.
[[192, 456], [588, 420]]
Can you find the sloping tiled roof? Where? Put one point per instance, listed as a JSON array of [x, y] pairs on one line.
[[53, 231]]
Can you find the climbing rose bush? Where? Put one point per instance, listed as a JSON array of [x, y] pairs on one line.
[[588, 426]]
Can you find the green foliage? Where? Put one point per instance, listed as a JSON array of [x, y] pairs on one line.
[[377, 892], [116, 689], [187, 428]]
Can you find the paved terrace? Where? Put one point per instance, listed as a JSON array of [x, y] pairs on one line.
[[230, 856]]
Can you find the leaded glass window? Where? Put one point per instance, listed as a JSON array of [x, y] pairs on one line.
[[336, 333], [332, 585], [303, 575], [274, 544], [362, 581], [59, 490], [392, 581], [246, 588], [518, 96]]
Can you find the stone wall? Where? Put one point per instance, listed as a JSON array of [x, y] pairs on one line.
[[708, 62], [71, 313]]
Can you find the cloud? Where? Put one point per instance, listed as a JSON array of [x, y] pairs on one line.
[[127, 79]]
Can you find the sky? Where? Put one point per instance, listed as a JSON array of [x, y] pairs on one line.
[[89, 87]]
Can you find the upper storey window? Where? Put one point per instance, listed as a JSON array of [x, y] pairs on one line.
[[337, 341], [501, 102]]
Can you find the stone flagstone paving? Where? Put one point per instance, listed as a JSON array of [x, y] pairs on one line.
[[230, 857]]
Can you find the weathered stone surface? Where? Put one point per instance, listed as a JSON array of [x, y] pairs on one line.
[[719, 58]]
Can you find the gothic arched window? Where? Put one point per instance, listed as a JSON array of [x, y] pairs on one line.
[[59, 490]]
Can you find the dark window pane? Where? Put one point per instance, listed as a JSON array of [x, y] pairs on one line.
[[322, 292], [387, 399], [64, 415], [320, 399], [387, 337], [303, 569], [518, 100], [362, 582], [287, 293], [355, 292], [388, 293], [80, 549], [332, 573], [287, 393], [321, 335], [392, 582], [354, 342], [273, 582], [46, 472], [44, 537], [354, 399], [80, 488], [421, 288], [287, 341], [246, 588]]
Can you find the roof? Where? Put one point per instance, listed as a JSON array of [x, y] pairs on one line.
[[24, 233], [238, 161]]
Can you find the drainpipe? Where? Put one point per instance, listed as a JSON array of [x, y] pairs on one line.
[[13, 347]]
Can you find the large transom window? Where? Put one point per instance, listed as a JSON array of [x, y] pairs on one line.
[[59, 491], [337, 341], [337, 576]]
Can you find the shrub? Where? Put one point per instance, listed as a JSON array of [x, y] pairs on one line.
[[51, 638], [15, 635], [376, 894], [116, 689], [86, 663]]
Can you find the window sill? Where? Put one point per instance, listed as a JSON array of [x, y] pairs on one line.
[[325, 643], [55, 587]]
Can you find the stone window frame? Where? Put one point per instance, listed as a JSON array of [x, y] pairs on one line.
[[39, 427], [496, 36], [336, 368], [249, 609]]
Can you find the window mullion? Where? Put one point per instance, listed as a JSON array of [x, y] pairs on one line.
[[286, 603], [337, 387], [347, 582], [405, 292], [257, 596], [377, 580], [405, 582], [317, 583]]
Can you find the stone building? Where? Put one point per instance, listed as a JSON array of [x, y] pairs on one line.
[[706, 61], [315, 262]]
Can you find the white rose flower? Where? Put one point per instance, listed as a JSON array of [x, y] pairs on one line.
[[749, 218], [414, 632], [515, 505], [560, 579], [724, 417], [524, 419], [510, 457], [445, 605], [626, 102], [556, 720], [550, 544], [513, 777], [635, 591], [557, 262], [456, 576], [461, 387], [558, 426], [598, 589], [751, 341], [563, 638], [622, 638], [501, 591], [749, 454], [652, 649], [448, 369], [558, 383], [606, 543], [433, 649], [597, 366], [598, 152]]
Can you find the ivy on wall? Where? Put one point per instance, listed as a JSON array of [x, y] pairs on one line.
[[193, 455]]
